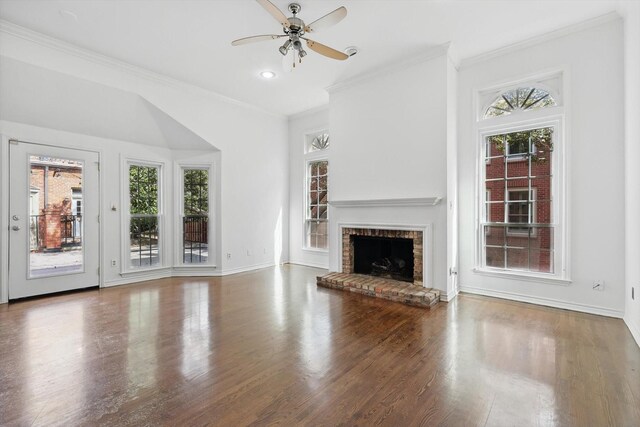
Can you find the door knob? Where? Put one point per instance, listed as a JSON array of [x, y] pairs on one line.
[[15, 228]]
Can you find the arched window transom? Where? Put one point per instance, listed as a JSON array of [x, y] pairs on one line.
[[520, 99]]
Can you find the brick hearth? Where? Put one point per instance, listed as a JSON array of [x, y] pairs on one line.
[[393, 290]]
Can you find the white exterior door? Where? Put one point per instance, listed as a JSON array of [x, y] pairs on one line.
[[53, 243]]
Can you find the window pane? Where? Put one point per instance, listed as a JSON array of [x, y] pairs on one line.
[[518, 194], [195, 242], [541, 261], [494, 236], [196, 192], [317, 211], [195, 223], [520, 99], [317, 234], [494, 257], [143, 234], [143, 189], [55, 223], [517, 259], [319, 142]]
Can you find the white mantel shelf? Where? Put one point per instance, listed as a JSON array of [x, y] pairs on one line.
[[370, 203]]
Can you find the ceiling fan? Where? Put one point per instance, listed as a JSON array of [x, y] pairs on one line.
[[294, 30]]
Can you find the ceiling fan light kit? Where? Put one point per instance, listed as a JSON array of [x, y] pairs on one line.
[[294, 30]]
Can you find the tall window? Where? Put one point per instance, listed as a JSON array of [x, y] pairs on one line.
[[316, 215], [144, 215], [317, 208], [520, 217], [195, 216]]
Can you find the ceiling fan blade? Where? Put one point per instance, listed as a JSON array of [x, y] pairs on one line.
[[326, 50], [327, 20], [275, 12], [254, 39]]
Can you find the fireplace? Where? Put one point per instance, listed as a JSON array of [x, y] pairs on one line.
[[394, 254], [390, 257]]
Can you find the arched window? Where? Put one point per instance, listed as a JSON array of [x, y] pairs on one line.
[[520, 99], [520, 216]]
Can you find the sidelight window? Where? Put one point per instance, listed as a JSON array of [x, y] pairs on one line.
[[195, 216]]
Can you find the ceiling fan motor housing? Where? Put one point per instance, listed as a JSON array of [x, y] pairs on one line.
[[296, 26]]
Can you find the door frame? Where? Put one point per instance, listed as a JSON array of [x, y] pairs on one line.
[[5, 142]]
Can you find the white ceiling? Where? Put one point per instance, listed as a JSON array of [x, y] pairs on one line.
[[190, 39], [41, 97]]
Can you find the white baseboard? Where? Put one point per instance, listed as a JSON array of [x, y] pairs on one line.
[[194, 272], [548, 302], [152, 275], [310, 264], [244, 269], [635, 330], [447, 298]]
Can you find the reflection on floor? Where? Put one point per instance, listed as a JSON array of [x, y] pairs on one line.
[[270, 347]]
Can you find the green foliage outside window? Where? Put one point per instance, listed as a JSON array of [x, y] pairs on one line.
[[143, 190]]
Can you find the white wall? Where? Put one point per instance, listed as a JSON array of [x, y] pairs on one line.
[[254, 165], [593, 58], [299, 126], [632, 160], [389, 141], [112, 153]]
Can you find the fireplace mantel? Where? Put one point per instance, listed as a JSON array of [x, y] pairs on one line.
[[403, 202]]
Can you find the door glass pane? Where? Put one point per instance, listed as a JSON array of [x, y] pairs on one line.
[[195, 222], [55, 216]]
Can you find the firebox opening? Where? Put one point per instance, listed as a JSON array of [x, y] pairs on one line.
[[384, 257]]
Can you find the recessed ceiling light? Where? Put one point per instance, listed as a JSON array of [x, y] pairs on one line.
[[267, 75]]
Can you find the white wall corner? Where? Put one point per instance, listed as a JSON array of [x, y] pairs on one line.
[[633, 328]]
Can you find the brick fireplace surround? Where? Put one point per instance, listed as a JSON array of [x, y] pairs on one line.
[[416, 236]]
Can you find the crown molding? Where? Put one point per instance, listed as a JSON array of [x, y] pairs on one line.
[[45, 41], [425, 56], [309, 112], [536, 40]]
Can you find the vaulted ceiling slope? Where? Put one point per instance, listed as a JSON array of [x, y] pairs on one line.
[[41, 97], [190, 39]]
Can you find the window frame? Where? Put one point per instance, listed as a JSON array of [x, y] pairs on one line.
[[308, 157], [125, 262], [179, 179], [306, 220], [553, 117]]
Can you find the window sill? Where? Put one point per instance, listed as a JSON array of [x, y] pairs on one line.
[[194, 266], [143, 271], [317, 251], [547, 279]]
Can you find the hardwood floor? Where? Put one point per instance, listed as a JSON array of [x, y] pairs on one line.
[[269, 347]]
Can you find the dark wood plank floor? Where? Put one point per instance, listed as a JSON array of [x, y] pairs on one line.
[[269, 347]]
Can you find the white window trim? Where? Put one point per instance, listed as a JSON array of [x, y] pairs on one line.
[[126, 270], [554, 117], [180, 167]]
